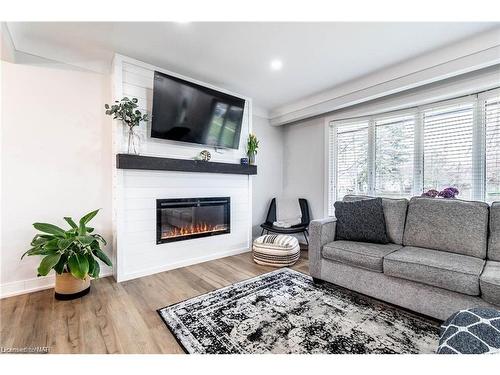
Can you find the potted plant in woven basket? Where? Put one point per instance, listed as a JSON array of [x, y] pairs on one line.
[[73, 254]]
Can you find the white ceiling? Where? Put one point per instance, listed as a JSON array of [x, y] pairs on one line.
[[236, 56]]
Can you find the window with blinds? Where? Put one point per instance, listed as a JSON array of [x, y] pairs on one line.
[[394, 139], [351, 159], [448, 148], [492, 148], [402, 154]]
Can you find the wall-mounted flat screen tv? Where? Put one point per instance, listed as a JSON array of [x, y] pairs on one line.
[[188, 112]]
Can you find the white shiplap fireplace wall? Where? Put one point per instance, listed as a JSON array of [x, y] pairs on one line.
[[135, 192]]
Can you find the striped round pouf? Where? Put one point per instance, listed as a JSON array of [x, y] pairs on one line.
[[276, 250]]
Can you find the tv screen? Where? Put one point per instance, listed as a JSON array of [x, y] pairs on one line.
[[187, 112]]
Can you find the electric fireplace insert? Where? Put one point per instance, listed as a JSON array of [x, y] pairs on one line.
[[187, 218]]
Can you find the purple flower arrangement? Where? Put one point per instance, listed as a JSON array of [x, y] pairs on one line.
[[448, 193], [431, 193]]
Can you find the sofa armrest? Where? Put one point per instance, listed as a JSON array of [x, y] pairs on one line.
[[321, 232]]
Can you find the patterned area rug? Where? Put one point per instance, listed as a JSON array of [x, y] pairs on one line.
[[285, 312]]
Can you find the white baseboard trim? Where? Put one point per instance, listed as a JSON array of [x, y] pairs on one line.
[[184, 263], [35, 284]]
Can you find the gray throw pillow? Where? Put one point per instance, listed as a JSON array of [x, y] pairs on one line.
[[361, 221]]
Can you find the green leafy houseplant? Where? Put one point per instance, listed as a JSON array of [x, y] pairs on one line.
[[75, 250], [126, 111], [252, 146]]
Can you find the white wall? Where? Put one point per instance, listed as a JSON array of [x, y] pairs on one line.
[[135, 79], [269, 180], [304, 170], [304, 163], [56, 158], [135, 192], [138, 254]]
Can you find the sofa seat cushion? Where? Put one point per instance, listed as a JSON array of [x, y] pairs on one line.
[[456, 272], [490, 283], [359, 254]]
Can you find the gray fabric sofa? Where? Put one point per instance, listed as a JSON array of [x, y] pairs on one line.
[[444, 256]]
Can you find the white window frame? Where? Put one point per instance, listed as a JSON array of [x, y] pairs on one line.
[[482, 98], [478, 152]]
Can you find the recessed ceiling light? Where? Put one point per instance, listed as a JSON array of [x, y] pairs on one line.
[[276, 64]]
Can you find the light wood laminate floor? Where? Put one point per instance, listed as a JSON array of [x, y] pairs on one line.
[[118, 318]]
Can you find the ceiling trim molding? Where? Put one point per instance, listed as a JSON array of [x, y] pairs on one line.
[[8, 49], [448, 89], [460, 58]]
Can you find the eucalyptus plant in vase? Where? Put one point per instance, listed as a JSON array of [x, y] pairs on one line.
[[126, 111], [252, 146], [72, 253]]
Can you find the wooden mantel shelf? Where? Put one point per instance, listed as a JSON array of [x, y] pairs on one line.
[[151, 163]]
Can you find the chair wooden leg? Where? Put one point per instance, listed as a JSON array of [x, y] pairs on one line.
[[305, 236], [262, 233]]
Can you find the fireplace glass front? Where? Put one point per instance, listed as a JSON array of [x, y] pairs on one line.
[[187, 218]]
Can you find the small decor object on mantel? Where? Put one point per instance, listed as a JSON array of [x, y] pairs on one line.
[[125, 111], [72, 253], [252, 146], [244, 161], [448, 193], [205, 155]]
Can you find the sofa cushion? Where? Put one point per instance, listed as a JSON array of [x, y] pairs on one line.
[[459, 273], [394, 213], [361, 221], [449, 225], [494, 242], [360, 254], [490, 283]]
